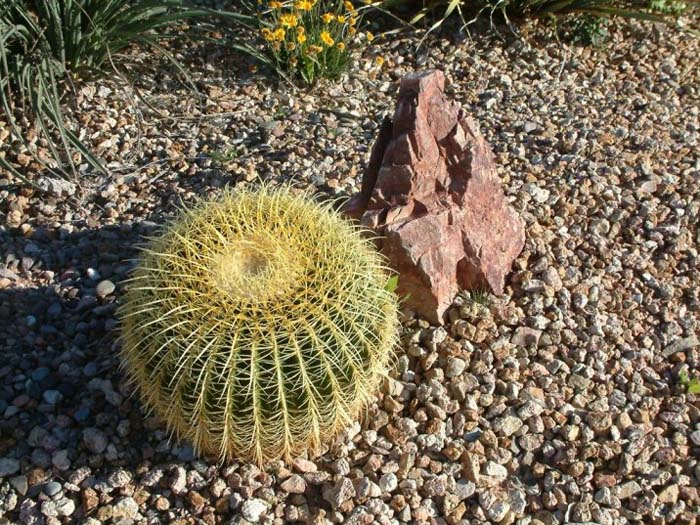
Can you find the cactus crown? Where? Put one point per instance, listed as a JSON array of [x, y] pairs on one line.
[[258, 325]]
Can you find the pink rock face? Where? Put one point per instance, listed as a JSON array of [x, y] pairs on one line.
[[431, 192]]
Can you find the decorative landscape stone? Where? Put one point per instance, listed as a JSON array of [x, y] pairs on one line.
[[432, 193]]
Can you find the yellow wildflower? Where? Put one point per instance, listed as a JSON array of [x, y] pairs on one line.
[[327, 18], [341, 19], [303, 5], [288, 20], [327, 38], [301, 38], [275, 5], [380, 61], [267, 34], [301, 29], [348, 5], [341, 46], [353, 21], [279, 34], [291, 46], [369, 36], [352, 31]]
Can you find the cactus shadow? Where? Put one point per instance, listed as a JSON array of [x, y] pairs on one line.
[[59, 373]]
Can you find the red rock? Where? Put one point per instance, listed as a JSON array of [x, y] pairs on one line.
[[432, 193]]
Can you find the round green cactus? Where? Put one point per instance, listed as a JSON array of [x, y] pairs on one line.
[[258, 325]]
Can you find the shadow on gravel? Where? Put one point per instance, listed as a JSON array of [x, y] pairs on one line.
[[62, 402]]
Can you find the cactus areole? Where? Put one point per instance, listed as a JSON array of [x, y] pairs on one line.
[[258, 325]]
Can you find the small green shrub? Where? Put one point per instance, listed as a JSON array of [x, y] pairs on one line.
[[310, 39], [480, 296], [654, 10], [590, 30], [691, 384], [258, 325], [668, 6], [601, 8]]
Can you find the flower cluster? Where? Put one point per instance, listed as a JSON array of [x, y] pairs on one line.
[[309, 39]]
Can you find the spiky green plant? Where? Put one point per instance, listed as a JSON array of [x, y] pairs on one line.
[[258, 325], [46, 45], [443, 9]]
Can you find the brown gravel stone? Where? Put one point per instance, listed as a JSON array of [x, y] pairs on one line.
[[161, 503], [90, 500], [196, 500]]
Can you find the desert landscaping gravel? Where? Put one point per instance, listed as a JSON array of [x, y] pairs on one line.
[[559, 402]]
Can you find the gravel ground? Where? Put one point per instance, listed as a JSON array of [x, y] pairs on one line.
[[557, 403]]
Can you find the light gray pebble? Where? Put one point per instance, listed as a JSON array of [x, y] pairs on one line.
[[119, 478], [339, 492], [507, 425], [341, 466], [628, 489], [65, 507], [48, 508], [254, 509], [95, 440], [464, 489], [435, 486], [125, 508], [235, 500], [52, 397], [533, 286], [530, 408], [20, 484], [494, 504], [493, 469], [388, 482], [105, 288], [8, 466], [294, 484], [178, 482], [60, 460], [455, 366], [52, 488], [695, 437], [579, 382], [526, 337]]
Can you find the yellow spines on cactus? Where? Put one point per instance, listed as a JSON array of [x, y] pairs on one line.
[[258, 325]]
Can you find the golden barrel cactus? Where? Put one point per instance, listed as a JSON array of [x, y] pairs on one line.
[[258, 325]]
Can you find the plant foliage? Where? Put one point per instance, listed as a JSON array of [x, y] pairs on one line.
[[652, 10], [310, 39], [45, 45], [691, 384], [258, 325]]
